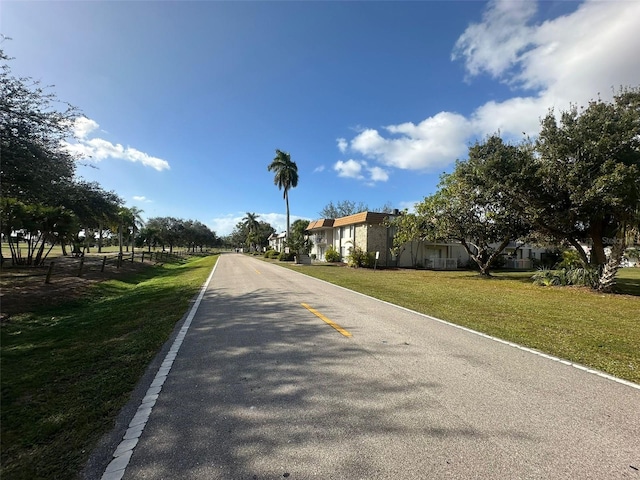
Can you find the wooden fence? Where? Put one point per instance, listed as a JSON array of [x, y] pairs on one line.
[[82, 265]]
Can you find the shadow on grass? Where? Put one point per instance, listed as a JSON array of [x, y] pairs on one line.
[[67, 370]]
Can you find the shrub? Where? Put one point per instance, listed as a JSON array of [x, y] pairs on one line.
[[545, 278], [332, 255], [286, 257], [587, 277], [570, 260], [359, 258]]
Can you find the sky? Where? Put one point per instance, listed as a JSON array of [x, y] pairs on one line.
[[185, 102]]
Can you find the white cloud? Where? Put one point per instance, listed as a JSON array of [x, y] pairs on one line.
[[319, 169], [570, 59], [83, 126], [134, 155], [378, 174], [431, 144], [141, 198], [98, 149], [349, 169], [356, 169], [495, 44]]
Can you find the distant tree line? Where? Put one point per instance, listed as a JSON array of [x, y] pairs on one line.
[[250, 233]]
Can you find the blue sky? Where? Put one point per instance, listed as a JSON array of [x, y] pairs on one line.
[[184, 103]]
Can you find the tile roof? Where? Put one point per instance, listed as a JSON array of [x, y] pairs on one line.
[[362, 217], [322, 223]]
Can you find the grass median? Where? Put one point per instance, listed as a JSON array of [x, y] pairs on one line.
[[67, 370], [601, 331]]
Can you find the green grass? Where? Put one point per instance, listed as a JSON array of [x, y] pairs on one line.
[[67, 371], [577, 324]]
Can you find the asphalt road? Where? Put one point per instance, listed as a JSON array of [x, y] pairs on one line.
[[264, 388]]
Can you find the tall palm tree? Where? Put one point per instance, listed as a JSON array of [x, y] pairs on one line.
[[250, 222], [286, 177]]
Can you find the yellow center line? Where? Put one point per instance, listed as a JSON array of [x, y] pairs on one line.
[[257, 272], [326, 320]]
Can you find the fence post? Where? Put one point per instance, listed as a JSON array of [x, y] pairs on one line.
[[81, 265], [49, 272], [104, 261], [142, 261]]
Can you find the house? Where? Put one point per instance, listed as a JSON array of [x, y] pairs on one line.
[[276, 241], [435, 255], [321, 236], [366, 230], [451, 255]]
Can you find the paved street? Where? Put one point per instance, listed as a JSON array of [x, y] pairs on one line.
[[262, 387]]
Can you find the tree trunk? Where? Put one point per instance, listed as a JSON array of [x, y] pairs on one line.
[[100, 237], [286, 199], [598, 256], [583, 255], [608, 273], [120, 237]]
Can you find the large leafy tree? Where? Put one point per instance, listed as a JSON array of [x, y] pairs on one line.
[[409, 229], [198, 235], [472, 207], [587, 180], [285, 177], [299, 242], [35, 167]]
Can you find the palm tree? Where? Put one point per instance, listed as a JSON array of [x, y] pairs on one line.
[[250, 222], [129, 217], [286, 177], [136, 224]]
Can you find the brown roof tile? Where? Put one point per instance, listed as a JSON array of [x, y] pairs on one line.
[[362, 217], [322, 223]]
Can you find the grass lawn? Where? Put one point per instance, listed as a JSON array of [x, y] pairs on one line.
[[577, 324], [68, 370]]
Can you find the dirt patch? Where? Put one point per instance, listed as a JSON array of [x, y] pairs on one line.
[[23, 289]]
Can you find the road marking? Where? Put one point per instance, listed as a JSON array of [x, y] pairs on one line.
[[257, 272], [326, 320], [588, 370], [122, 455]]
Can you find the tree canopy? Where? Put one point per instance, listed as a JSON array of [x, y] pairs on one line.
[[588, 172], [35, 167], [472, 207]]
